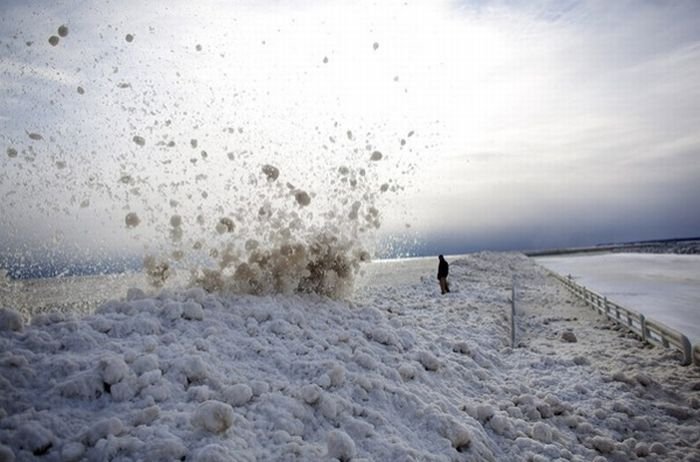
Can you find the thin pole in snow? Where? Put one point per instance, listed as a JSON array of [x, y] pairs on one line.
[[512, 314]]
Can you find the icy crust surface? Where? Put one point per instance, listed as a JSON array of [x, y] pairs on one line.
[[396, 373]]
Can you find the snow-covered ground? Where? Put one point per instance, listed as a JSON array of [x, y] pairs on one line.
[[395, 373], [661, 286]]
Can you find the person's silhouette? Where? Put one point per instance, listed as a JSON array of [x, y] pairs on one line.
[[443, 270]]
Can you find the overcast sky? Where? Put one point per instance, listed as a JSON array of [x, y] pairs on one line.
[[532, 124]]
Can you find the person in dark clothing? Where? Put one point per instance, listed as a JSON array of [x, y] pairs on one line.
[[443, 270]]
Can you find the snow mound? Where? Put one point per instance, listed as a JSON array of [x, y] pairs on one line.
[[213, 416], [389, 375]]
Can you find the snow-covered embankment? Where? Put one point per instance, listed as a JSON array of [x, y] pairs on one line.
[[397, 373]]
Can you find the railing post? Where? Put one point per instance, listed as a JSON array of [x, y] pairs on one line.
[[643, 326], [512, 315]]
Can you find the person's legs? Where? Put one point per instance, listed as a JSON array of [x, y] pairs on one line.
[[443, 285]]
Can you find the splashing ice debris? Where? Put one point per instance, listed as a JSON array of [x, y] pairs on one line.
[[132, 220], [302, 198], [158, 271], [284, 198], [225, 225], [271, 172]]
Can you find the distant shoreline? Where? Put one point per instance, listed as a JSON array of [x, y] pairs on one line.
[[689, 245]]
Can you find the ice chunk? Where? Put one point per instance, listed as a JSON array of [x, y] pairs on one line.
[[111, 426], [501, 424], [192, 311], [10, 320], [213, 416], [72, 451], [337, 375], [428, 361], [365, 360], [113, 369], [340, 446], [259, 387], [311, 393], [459, 436], [542, 432], [603, 444], [407, 372], [237, 395], [193, 368], [199, 393], [484, 412], [35, 438], [642, 450]]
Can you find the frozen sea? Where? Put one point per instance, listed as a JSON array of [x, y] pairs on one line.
[[665, 287]]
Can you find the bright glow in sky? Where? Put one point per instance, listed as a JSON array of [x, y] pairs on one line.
[[538, 124]]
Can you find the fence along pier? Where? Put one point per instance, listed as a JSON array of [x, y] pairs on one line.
[[649, 330]]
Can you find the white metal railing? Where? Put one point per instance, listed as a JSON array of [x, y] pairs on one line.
[[649, 330]]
